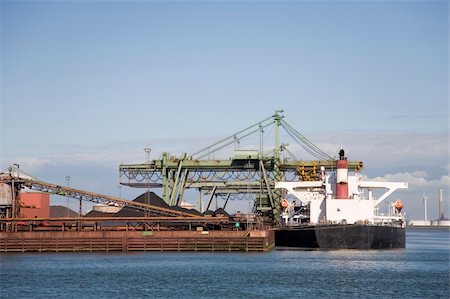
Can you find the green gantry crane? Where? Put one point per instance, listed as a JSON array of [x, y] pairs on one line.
[[247, 173]]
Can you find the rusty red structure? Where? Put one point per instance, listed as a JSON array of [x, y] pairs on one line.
[[34, 205]]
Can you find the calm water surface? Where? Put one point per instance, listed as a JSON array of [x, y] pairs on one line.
[[419, 271]]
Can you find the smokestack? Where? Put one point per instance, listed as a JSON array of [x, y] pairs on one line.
[[441, 205], [342, 176], [425, 198]]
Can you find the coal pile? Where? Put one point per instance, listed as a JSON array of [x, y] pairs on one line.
[[151, 198], [221, 212], [95, 214], [218, 212], [61, 212]]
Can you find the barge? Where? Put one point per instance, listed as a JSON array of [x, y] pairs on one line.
[[126, 241]]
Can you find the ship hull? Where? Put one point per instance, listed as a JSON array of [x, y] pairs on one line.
[[352, 236]]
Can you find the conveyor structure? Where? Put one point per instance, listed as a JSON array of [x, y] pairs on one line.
[[251, 172], [17, 183]]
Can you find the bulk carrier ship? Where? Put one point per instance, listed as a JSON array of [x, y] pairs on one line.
[[339, 211]]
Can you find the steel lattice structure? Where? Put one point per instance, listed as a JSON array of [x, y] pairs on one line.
[[247, 172], [41, 186]]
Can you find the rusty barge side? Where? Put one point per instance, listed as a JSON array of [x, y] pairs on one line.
[[94, 241]]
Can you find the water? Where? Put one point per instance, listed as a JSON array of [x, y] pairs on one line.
[[419, 271]]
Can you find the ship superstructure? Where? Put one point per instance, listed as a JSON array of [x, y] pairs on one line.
[[340, 211], [340, 198]]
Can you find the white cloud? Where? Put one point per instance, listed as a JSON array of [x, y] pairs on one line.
[[105, 155], [417, 180]]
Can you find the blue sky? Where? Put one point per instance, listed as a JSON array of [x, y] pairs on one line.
[[86, 85]]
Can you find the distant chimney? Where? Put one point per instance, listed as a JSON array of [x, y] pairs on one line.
[[425, 198], [441, 205]]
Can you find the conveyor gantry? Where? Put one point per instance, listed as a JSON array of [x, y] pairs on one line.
[[41, 186], [255, 174]]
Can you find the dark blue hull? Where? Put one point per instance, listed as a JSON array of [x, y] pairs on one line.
[[350, 236]]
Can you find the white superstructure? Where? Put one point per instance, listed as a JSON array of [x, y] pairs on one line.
[[340, 198]]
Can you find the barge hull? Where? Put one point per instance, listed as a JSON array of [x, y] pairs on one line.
[[341, 237], [259, 241]]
